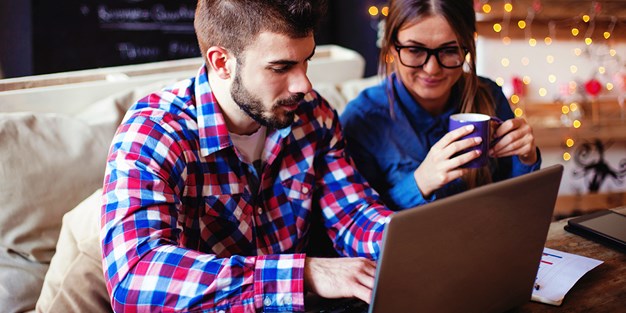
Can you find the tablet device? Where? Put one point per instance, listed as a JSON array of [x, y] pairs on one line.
[[604, 226]]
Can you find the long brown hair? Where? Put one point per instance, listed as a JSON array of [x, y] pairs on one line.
[[460, 15]]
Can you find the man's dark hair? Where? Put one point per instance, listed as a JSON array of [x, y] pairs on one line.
[[234, 24]]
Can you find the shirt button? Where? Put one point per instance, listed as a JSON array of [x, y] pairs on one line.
[[260, 211], [267, 301], [305, 190]]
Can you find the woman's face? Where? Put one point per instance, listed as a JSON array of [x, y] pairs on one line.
[[430, 84]]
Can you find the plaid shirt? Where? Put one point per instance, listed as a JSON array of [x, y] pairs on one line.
[[181, 228]]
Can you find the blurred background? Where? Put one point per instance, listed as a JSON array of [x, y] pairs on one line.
[[561, 64]]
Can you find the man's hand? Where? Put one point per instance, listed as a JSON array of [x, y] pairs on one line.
[[340, 277]]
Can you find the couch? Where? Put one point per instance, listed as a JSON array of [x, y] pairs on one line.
[[55, 131]]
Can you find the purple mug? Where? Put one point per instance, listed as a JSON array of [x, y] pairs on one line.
[[482, 128]]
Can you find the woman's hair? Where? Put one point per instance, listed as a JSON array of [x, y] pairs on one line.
[[460, 15], [234, 24]]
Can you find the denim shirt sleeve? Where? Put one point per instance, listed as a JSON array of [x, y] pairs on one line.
[[520, 168], [406, 194]]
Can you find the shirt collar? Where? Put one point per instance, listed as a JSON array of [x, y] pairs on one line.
[[212, 131]]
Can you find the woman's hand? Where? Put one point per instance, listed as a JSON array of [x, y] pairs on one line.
[[516, 138], [442, 165]]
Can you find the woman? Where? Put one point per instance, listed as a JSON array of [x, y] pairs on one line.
[[396, 132]]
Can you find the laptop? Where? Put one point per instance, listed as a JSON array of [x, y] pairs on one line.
[[477, 251]]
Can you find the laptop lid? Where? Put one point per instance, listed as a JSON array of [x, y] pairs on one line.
[[477, 251]]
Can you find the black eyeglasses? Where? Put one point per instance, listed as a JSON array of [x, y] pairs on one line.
[[416, 56]]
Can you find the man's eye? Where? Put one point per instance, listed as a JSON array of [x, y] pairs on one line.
[[279, 70]]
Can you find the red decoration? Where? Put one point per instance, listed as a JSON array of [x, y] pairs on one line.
[[477, 6], [593, 87], [597, 7], [537, 6], [518, 86]]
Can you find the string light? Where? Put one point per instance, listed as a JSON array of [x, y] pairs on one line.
[[505, 62], [521, 24], [612, 52], [518, 112], [601, 70], [607, 35], [506, 40], [575, 31], [373, 10], [543, 92], [569, 142], [515, 99], [567, 156], [588, 41], [576, 124], [552, 78], [497, 27], [500, 81], [550, 59], [586, 18], [547, 40], [609, 86], [526, 80], [532, 42], [573, 69], [565, 109], [508, 7], [385, 11], [525, 61], [486, 8], [573, 106], [578, 52]]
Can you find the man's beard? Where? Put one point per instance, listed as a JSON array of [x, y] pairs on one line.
[[254, 107]]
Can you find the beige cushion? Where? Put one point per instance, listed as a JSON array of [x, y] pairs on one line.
[[352, 88], [74, 282], [50, 163], [332, 95]]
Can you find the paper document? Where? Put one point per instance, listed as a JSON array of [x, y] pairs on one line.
[[558, 272]]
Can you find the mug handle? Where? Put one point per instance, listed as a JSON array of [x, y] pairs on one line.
[[494, 121]]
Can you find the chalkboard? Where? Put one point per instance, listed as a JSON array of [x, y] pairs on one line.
[[83, 34]]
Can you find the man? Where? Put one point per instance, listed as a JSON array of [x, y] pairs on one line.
[[212, 185]]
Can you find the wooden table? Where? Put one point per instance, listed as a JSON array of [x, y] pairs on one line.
[[602, 289]]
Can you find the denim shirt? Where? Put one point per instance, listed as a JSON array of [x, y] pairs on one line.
[[387, 148]]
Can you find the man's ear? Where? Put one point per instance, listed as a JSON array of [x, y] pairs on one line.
[[217, 58]]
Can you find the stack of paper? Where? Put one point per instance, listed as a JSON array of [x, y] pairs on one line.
[[558, 272]]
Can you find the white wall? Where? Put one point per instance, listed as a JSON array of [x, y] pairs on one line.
[[492, 51]]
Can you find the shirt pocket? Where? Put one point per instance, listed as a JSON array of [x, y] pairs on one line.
[[299, 186]]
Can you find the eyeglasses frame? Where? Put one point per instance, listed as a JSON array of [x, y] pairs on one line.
[[430, 52]]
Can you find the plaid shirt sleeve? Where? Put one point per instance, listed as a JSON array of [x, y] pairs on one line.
[[146, 268], [354, 217]]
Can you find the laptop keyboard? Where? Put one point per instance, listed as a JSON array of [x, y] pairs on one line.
[[345, 306]]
